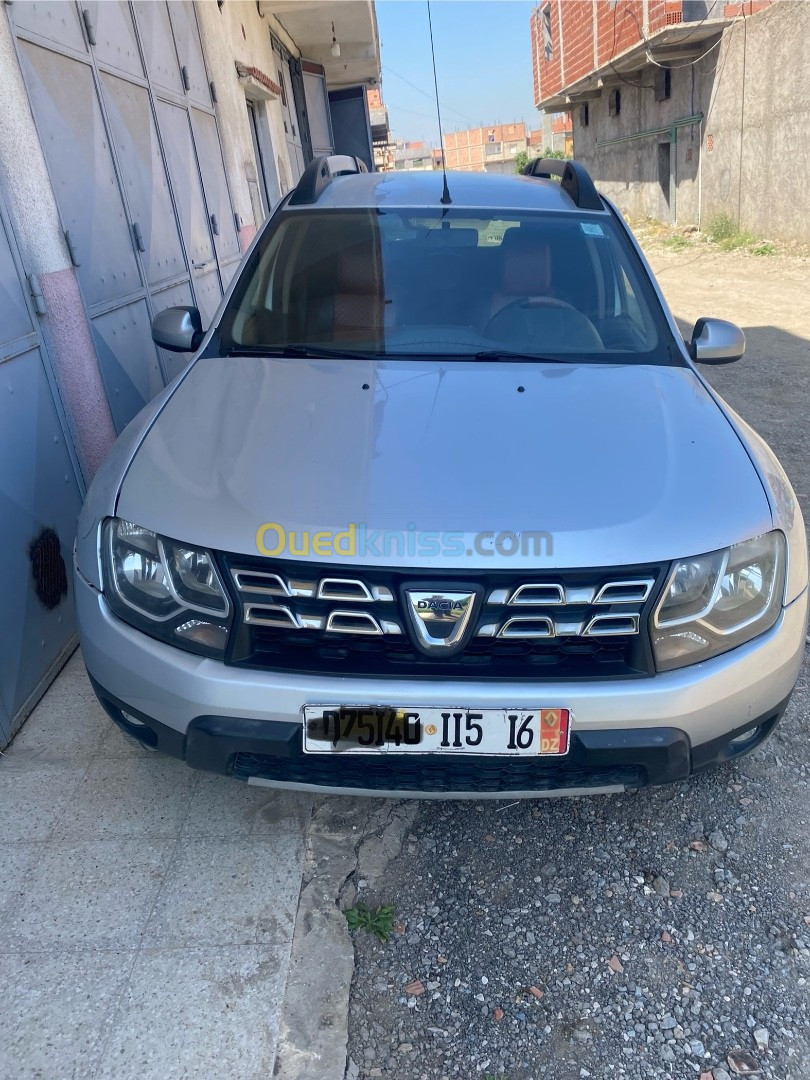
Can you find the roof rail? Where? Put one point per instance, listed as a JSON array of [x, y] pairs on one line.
[[319, 174], [574, 179]]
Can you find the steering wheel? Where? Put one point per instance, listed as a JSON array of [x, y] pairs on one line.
[[579, 330]]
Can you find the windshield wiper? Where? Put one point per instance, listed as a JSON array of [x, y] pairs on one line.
[[303, 351], [506, 354]]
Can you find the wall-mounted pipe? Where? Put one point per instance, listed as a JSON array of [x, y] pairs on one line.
[[672, 131]]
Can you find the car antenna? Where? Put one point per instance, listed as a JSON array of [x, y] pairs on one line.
[[445, 199]]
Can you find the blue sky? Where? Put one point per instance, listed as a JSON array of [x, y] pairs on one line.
[[483, 60]]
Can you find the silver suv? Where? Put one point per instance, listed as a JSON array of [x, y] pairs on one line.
[[442, 506]]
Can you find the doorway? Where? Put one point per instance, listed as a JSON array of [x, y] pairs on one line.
[[265, 188], [664, 167]]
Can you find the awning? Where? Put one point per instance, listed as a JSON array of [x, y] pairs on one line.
[[309, 24]]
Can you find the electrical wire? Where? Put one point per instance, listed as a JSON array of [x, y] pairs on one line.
[[695, 29], [648, 53], [413, 112], [689, 63], [636, 85], [390, 71]]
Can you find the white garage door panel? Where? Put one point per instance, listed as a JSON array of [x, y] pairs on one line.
[[318, 113]]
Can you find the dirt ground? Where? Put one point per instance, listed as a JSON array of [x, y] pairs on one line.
[[661, 935], [769, 297]]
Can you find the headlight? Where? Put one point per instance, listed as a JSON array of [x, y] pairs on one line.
[[714, 602], [169, 590]]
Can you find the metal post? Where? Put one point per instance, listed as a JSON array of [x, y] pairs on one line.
[[673, 174]]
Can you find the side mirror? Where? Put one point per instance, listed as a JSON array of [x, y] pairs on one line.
[[178, 329], [715, 341]]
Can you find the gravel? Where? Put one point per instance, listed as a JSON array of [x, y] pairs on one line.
[[664, 933], [478, 928]]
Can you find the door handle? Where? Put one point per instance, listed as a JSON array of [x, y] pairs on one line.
[[72, 252], [136, 232]]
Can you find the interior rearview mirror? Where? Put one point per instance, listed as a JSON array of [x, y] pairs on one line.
[[178, 329], [715, 341]]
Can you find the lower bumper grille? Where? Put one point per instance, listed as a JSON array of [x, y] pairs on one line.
[[423, 774]]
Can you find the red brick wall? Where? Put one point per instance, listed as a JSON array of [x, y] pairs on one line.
[[618, 27], [748, 7], [561, 123], [548, 78], [577, 30]]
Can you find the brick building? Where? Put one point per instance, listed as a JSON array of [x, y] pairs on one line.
[[573, 40], [681, 108], [410, 156], [472, 149], [493, 148], [381, 141]]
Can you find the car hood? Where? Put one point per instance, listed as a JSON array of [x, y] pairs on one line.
[[617, 464]]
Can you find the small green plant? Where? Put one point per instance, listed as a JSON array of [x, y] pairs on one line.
[[728, 236], [522, 158], [379, 922], [721, 228], [724, 231], [676, 241], [764, 247]]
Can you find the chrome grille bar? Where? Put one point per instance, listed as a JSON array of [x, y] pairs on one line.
[[538, 594], [352, 622], [612, 625], [271, 615], [277, 599], [625, 592]]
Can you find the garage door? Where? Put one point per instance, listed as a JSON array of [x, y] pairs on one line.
[[39, 502], [123, 107]]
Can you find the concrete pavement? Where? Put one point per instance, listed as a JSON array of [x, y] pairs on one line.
[[146, 910]]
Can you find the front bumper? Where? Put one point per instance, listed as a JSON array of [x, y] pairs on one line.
[[625, 733]]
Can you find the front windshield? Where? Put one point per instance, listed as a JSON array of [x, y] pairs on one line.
[[448, 282]]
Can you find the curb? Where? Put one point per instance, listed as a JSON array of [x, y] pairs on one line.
[[348, 841]]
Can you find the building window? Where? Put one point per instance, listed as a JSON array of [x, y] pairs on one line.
[[584, 115], [615, 103], [663, 84], [548, 44]]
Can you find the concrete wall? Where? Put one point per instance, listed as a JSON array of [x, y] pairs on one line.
[[759, 123], [752, 142], [628, 172], [237, 33]]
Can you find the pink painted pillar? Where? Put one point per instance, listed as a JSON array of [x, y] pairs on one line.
[[73, 357], [246, 234]]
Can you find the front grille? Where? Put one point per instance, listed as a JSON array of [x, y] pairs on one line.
[[577, 624]]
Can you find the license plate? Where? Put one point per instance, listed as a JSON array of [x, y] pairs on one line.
[[365, 729]]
